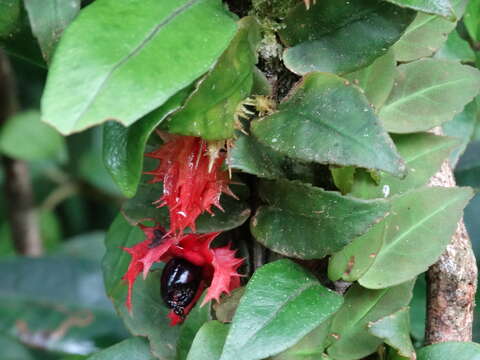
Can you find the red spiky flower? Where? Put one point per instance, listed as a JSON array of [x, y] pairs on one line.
[[193, 178], [219, 265]]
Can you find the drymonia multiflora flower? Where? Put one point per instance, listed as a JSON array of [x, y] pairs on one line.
[[193, 178], [217, 266], [193, 181]]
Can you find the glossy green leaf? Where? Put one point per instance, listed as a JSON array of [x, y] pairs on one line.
[[48, 19], [421, 219], [438, 7], [211, 109], [376, 80], [462, 127], [456, 49], [130, 349], [196, 318], [423, 153], [149, 314], [124, 147], [428, 93], [349, 338], [327, 120], [341, 37], [472, 19], [208, 342], [394, 329], [282, 303], [450, 350], [142, 207], [151, 51], [294, 207], [25, 137]]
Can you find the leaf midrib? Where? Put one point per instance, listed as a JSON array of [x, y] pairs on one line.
[[429, 216], [423, 91], [132, 53]]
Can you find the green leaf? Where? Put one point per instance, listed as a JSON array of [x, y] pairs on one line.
[[124, 147], [25, 137], [47, 294], [467, 172], [10, 11], [297, 213], [394, 329], [208, 342], [428, 93], [425, 35], [141, 208], [252, 157], [13, 350], [196, 318], [149, 314], [90, 166], [450, 350], [282, 303], [472, 19], [349, 339], [326, 120], [15, 34], [438, 7], [456, 49], [48, 19], [343, 177], [351, 262], [151, 51], [310, 347], [462, 126], [423, 153], [376, 80], [133, 348], [425, 218], [418, 309], [225, 309], [211, 109], [341, 37]]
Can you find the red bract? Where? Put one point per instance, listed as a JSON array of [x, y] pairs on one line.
[[219, 265], [192, 176]]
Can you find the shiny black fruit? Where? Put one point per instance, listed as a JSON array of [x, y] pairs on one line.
[[179, 284]]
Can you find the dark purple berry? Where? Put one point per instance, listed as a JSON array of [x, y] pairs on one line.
[[179, 284]]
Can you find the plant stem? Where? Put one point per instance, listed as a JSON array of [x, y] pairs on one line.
[[22, 216], [452, 281]]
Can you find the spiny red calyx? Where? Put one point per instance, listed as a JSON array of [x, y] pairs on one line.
[[192, 176], [219, 265]]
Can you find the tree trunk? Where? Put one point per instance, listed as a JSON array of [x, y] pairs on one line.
[[452, 281]]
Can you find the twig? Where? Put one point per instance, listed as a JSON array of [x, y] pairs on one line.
[[452, 281], [22, 217]]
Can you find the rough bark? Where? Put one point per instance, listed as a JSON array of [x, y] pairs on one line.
[[22, 217], [452, 281]]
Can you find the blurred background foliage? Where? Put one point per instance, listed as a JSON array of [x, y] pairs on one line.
[[54, 306]]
